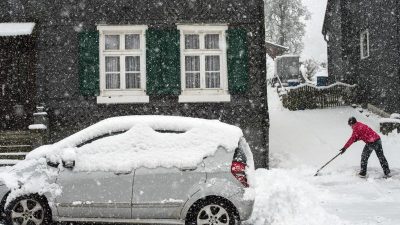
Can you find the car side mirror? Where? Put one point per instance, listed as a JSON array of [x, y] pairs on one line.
[[68, 164], [52, 164]]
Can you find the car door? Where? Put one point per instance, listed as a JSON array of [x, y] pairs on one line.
[[160, 193], [95, 194]]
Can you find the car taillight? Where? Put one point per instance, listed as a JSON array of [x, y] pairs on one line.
[[238, 170]]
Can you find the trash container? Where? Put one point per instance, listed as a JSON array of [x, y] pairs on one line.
[[293, 82], [322, 81]]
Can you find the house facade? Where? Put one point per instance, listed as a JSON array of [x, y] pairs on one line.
[[364, 49], [193, 58]]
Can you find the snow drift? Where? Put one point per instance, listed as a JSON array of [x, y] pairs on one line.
[[282, 199]]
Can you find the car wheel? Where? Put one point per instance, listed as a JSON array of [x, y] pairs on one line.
[[28, 210], [212, 211]]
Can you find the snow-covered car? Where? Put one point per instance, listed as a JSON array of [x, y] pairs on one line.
[[134, 169]]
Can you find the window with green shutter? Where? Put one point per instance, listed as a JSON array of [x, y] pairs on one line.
[[163, 62], [89, 63], [122, 64], [238, 67], [204, 63]]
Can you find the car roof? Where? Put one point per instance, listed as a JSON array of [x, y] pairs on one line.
[[161, 123]]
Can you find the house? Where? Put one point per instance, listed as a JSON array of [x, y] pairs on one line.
[[97, 59], [363, 48]]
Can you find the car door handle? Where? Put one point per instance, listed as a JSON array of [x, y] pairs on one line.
[[185, 169], [123, 173]]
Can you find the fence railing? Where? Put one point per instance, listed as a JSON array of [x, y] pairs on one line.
[[309, 96]]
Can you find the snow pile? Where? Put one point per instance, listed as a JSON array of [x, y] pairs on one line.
[[142, 145], [283, 199], [31, 176], [15, 29]]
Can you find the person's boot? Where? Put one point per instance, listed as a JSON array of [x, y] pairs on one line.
[[387, 175], [362, 174]]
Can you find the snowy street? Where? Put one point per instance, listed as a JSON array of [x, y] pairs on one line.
[[300, 143]]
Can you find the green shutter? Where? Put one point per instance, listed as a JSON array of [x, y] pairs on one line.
[[163, 62], [89, 63], [238, 67]]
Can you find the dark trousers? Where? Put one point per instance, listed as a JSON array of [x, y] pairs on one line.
[[377, 146]]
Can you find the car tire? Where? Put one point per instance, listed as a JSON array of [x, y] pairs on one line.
[[28, 209], [211, 211]]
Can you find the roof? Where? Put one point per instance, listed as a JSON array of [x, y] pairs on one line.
[[275, 50], [16, 29]]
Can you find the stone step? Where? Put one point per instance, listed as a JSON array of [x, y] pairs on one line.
[[8, 162], [15, 148], [13, 155], [18, 138]]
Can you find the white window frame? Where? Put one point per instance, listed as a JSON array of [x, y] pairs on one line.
[[203, 94], [122, 95], [362, 40]]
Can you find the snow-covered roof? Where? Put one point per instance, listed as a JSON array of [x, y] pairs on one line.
[[276, 45], [288, 56], [16, 29], [322, 72]]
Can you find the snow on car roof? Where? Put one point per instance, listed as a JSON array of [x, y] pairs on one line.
[[142, 144]]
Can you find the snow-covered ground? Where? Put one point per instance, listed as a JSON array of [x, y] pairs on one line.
[[301, 142]]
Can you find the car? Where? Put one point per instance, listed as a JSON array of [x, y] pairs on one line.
[[134, 169]]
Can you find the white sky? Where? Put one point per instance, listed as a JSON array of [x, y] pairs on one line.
[[314, 44]]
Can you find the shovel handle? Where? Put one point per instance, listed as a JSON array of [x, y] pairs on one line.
[[327, 163]]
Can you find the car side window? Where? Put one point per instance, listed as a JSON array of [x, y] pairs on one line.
[[109, 134]]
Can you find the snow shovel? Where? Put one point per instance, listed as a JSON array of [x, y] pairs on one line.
[[316, 174]]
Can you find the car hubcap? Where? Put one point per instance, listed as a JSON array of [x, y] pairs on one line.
[[212, 214], [27, 212]]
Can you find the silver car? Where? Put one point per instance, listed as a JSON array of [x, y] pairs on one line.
[[210, 193]]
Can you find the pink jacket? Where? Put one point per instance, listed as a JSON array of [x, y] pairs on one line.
[[362, 132]]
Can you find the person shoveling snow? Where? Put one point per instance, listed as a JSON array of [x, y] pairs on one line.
[[372, 143]]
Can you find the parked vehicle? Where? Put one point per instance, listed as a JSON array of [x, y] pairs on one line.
[[111, 172]]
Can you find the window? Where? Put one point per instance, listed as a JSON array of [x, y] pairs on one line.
[[204, 63], [122, 64], [364, 44]]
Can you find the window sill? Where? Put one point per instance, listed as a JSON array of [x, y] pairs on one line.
[[123, 99], [205, 97]]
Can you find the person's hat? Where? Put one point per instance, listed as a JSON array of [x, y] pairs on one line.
[[352, 120]]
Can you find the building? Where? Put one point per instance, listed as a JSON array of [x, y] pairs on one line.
[[363, 48], [93, 60]]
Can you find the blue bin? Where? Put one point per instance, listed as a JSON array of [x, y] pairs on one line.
[[322, 81]]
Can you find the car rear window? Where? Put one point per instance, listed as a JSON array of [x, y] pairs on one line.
[[240, 155]]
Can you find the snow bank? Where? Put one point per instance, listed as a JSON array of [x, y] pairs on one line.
[[283, 199], [323, 87], [389, 120], [15, 29]]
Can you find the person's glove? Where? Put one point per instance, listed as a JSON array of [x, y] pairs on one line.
[[342, 150]]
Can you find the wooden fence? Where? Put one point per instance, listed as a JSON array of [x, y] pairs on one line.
[[308, 96]]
